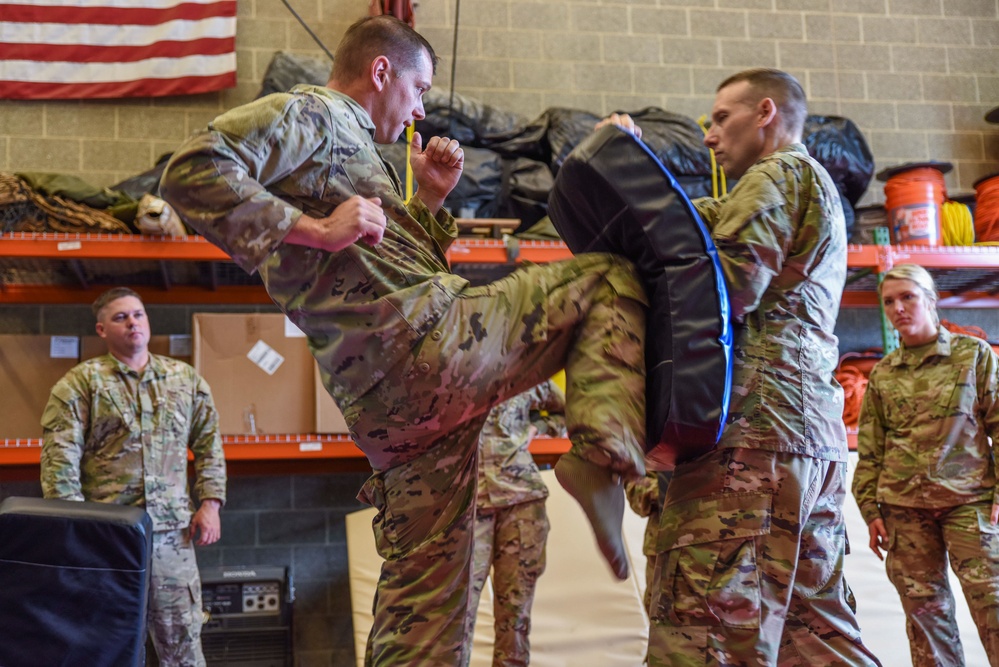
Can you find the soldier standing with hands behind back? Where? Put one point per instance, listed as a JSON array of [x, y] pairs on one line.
[[117, 429]]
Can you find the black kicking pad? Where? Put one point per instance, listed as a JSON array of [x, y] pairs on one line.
[[613, 195]]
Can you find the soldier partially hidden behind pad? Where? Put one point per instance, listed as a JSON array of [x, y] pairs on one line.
[[117, 429]]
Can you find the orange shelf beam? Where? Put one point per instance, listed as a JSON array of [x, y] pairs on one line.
[[264, 448], [863, 256], [196, 248], [109, 246], [20, 452], [478, 251], [178, 294], [292, 447], [947, 257]]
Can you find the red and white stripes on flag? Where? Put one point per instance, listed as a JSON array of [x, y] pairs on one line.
[[75, 49]]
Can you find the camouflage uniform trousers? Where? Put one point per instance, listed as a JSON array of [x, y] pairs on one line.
[[750, 569], [512, 540], [175, 610], [919, 543], [422, 422], [645, 497]]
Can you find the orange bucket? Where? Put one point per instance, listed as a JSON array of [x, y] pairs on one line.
[[914, 199], [987, 208]]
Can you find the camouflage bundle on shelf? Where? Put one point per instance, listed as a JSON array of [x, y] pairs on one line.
[[22, 209]]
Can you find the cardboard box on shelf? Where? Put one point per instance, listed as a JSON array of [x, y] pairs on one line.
[[260, 370], [30, 365], [178, 347], [329, 419]]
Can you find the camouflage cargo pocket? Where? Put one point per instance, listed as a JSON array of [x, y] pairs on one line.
[[414, 502], [708, 562], [988, 534]]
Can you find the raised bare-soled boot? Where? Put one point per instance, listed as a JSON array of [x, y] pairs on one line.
[[600, 492]]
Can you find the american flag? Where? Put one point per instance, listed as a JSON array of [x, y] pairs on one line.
[[75, 49]]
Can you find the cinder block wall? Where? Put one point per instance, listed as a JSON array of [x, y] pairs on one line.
[[917, 76]]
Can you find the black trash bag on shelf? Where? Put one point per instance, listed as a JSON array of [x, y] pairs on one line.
[[490, 186], [479, 185], [839, 146], [849, 216], [473, 123], [567, 127], [477, 189], [550, 137], [676, 140], [287, 70], [148, 182], [525, 186]]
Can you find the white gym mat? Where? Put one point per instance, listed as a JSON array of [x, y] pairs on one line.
[[583, 617]]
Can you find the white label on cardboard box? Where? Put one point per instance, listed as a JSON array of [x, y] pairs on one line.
[[180, 345], [310, 446], [265, 357], [64, 347], [292, 331]]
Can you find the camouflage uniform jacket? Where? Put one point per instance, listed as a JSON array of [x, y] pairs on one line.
[[507, 472], [781, 240], [113, 435], [925, 424], [245, 181]]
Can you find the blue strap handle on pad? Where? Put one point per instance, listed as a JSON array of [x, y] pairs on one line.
[[612, 194]]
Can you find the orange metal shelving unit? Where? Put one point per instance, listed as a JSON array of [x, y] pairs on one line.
[[75, 268]]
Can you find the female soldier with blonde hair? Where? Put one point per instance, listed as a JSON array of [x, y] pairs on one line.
[[926, 481]]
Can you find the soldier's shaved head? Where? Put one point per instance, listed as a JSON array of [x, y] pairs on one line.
[[374, 36], [107, 297], [779, 86]]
